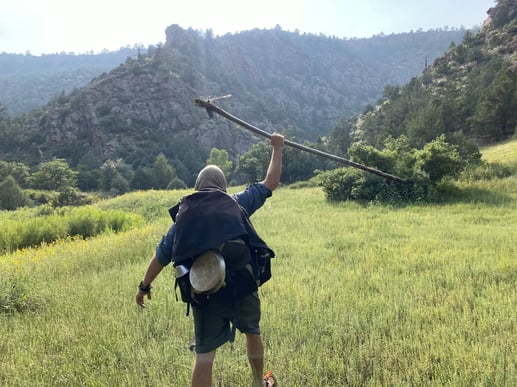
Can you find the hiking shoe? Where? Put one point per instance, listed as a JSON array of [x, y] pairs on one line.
[[269, 379]]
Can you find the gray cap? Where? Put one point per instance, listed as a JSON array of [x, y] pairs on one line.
[[211, 176]]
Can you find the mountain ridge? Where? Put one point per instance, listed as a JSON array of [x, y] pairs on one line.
[[278, 80]]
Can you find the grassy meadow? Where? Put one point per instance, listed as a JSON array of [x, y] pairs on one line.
[[418, 295], [505, 152]]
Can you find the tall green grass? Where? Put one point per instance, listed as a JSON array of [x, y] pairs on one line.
[[360, 295], [88, 221], [30, 227]]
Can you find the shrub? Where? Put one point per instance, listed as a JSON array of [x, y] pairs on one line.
[[338, 183], [70, 197], [11, 195], [38, 197], [176, 183], [423, 170], [117, 221], [368, 155], [351, 184], [437, 160], [86, 222], [16, 293], [36, 231], [489, 171]]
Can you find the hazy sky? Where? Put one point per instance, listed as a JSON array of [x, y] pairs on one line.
[[50, 26]]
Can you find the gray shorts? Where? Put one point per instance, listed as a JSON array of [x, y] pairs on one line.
[[213, 318]]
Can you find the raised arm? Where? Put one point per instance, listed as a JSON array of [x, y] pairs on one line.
[[274, 170]]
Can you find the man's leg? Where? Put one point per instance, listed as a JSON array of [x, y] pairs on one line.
[[202, 373], [255, 350]]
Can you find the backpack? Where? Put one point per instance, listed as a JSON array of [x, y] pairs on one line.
[[226, 231]]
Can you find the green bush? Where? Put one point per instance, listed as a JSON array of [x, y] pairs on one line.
[[85, 222], [10, 239], [17, 293], [375, 158], [11, 195], [351, 184], [339, 183], [437, 160], [422, 170], [73, 197], [489, 171], [42, 230], [176, 183], [39, 197], [117, 221]]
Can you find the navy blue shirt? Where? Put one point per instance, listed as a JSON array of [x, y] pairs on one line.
[[251, 199]]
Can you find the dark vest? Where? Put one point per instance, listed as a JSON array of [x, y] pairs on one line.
[[205, 219]]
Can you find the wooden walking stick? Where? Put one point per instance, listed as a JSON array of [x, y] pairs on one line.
[[211, 108]]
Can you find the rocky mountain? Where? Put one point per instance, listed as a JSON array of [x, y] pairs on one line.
[[278, 80]]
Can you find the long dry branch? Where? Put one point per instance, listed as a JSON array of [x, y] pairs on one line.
[[210, 107]]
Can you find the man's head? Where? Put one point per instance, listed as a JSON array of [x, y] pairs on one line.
[[211, 176]]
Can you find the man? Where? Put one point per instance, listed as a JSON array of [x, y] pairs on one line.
[[212, 318]]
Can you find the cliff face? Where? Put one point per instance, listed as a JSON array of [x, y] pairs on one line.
[[128, 111], [500, 29]]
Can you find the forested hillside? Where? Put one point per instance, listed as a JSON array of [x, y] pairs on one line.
[[470, 91], [28, 82], [277, 80]]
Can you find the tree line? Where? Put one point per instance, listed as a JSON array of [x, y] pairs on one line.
[[56, 183]]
